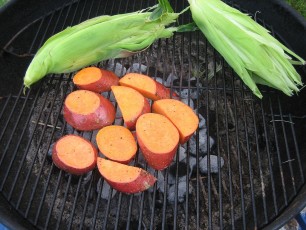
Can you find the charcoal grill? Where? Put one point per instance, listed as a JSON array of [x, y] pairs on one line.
[[261, 142]]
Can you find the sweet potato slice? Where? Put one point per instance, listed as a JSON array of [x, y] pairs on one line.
[[117, 143], [147, 86], [85, 110], [180, 114], [95, 79], [158, 139], [131, 103], [74, 154], [125, 178]]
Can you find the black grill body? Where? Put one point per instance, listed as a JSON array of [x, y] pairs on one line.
[[261, 142]]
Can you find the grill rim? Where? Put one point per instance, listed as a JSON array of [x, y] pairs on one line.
[[282, 218]]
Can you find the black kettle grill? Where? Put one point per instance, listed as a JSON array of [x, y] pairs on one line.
[[260, 145]]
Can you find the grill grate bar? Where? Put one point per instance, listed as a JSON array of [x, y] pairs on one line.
[[188, 146], [228, 155], [208, 141], [75, 202], [118, 211], [107, 210], [251, 177], [240, 195], [153, 203], [297, 150], [218, 147], [197, 144], [86, 201], [239, 159], [263, 187], [278, 154], [13, 130], [7, 99], [59, 178], [287, 147], [11, 115], [50, 172], [269, 157], [59, 219], [17, 146], [34, 188], [10, 140]]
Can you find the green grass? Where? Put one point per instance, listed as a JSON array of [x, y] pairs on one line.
[[298, 5], [2, 2]]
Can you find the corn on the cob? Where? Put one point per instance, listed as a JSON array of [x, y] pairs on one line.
[[255, 55], [99, 39]]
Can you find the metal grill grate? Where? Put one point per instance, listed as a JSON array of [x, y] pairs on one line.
[[257, 139]]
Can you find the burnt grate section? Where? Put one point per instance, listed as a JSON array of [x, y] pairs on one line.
[[259, 153]]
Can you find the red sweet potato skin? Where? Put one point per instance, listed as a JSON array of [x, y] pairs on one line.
[[131, 125], [104, 84], [69, 169], [144, 181], [103, 116], [163, 92], [156, 161]]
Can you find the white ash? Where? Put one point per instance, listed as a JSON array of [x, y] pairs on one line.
[[93, 138], [118, 113], [160, 80], [117, 68], [203, 142], [187, 93], [87, 135], [202, 121], [160, 184], [181, 154], [188, 102], [106, 190], [87, 178], [170, 80], [172, 178], [69, 129], [184, 93], [213, 164], [177, 170], [110, 96], [137, 68], [192, 164], [141, 159], [181, 192]]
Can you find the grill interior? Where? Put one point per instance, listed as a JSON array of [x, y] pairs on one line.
[[260, 142]]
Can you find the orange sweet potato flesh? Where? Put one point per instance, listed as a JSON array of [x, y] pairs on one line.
[[74, 154], [125, 178], [95, 79], [147, 86], [131, 103], [180, 114], [117, 143], [158, 139], [85, 110]]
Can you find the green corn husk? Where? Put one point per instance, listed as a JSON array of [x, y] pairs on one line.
[[99, 39], [255, 55]]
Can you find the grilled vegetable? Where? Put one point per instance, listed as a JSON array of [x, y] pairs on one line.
[[158, 139], [180, 114], [146, 86], [95, 79], [124, 178], [74, 155], [117, 143], [85, 110], [131, 103], [99, 39], [255, 55]]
